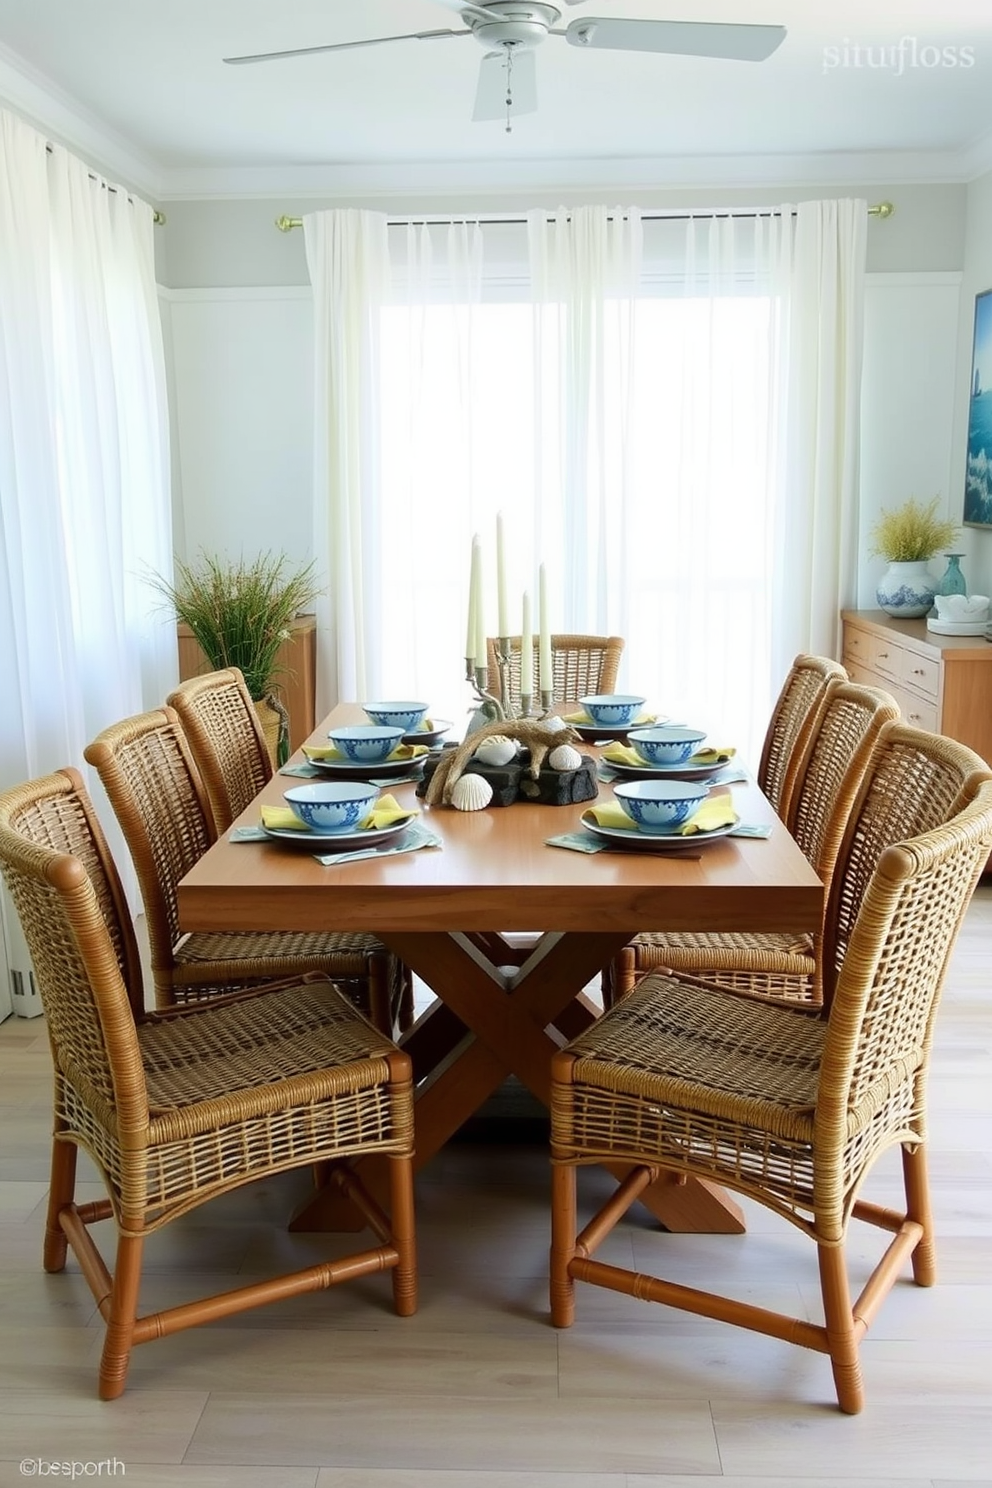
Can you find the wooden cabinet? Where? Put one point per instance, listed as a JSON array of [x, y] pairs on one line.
[[941, 683], [296, 662]]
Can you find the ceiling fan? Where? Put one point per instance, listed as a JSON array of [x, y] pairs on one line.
[[511, 29]]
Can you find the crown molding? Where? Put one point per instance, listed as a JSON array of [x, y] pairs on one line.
[[56, 114], [474, 178], [61, 119]]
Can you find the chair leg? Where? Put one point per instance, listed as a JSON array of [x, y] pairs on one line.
[[403, 1231], [380, 994], [840, 1328], [123, 1311], [564, 1223], [917, 1185], [619, 977], [61, 1192]]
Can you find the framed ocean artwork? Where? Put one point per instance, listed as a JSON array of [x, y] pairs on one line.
[[978, 465]]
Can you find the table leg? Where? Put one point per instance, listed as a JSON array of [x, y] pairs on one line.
[[494, 1023]]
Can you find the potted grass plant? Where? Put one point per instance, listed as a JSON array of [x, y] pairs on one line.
[[240, 610], [907, 538]]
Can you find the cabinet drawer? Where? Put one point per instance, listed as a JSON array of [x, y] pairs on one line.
[[859, 673], [915, 710], [922, 673], [857, 647], [887, 658]]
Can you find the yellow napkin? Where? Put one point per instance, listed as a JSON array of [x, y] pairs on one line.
[[715, 811], [385, 812], [426, 726], [582, 717], [400, 753], [626, 754]]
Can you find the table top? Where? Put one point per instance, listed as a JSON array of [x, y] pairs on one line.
[[495, 872]]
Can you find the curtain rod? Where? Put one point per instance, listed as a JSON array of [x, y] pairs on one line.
[[157, 217], [286, 224]]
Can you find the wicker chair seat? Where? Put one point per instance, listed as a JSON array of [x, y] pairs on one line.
[[261, 949]]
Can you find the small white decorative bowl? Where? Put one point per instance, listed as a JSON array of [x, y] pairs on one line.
[[665, 745], [405, 716], [659, 805], [612, 709], [365, 743], [332, 805]]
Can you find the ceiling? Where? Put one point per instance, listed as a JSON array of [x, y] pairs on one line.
[[141, 87]]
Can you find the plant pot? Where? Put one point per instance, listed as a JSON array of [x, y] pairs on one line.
[[906, 590]]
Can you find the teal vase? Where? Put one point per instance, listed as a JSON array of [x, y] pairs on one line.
[[952, 581]]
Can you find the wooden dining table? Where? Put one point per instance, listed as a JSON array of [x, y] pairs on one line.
[[447, 911]]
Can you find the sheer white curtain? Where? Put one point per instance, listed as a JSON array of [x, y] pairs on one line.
[[664, 411], [84, 481], [819, 273], [348, 258]]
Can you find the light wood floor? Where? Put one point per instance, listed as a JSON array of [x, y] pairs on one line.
[[477, 1390]]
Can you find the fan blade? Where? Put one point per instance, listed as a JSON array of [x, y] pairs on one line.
[[738, 43], [342, 46], [490, 97]]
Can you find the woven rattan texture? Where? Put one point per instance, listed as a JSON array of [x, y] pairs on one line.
[[152, 782], [835, 757], [802, 690], [582, 665], [917, 781], [787, 1108], [226, 739]]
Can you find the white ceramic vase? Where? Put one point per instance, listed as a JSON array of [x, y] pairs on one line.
[[906, 590]]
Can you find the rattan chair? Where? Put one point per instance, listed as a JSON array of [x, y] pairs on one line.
[[787, 1108], [790, 722], [177, 1108], [582, 665], [226, 739], [154, 787], [784, 965]]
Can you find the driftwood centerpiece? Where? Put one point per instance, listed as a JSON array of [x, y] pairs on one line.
[[536, 736]]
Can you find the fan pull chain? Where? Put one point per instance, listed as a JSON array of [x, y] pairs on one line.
[[509, 88]]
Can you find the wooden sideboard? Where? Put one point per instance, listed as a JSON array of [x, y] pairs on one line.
[[941, 683], [296, 663]]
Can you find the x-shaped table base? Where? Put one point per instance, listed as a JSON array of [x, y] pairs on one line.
[[495, 1018]]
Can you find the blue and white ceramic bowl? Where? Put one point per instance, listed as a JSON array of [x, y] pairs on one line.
[[659, 805], [612, 709], [332, 805], [365, 743], [665, 744], [405, 716]]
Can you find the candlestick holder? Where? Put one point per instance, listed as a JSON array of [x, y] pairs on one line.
[[526, 701], [547, 703], [488, 707]]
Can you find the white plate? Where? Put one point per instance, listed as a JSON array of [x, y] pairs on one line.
[[384, 770], [593, 731], [428, 736], [341, 841], [655, 841], [668, 772]]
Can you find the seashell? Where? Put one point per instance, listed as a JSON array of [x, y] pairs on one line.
[[471, 793], [553, 723], [564, 758], [496, 750]]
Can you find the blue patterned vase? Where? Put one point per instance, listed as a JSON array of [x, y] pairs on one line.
[[906, 590]]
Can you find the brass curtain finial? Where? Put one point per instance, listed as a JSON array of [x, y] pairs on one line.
[[883, 210], [158, 218], [286, 224]]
